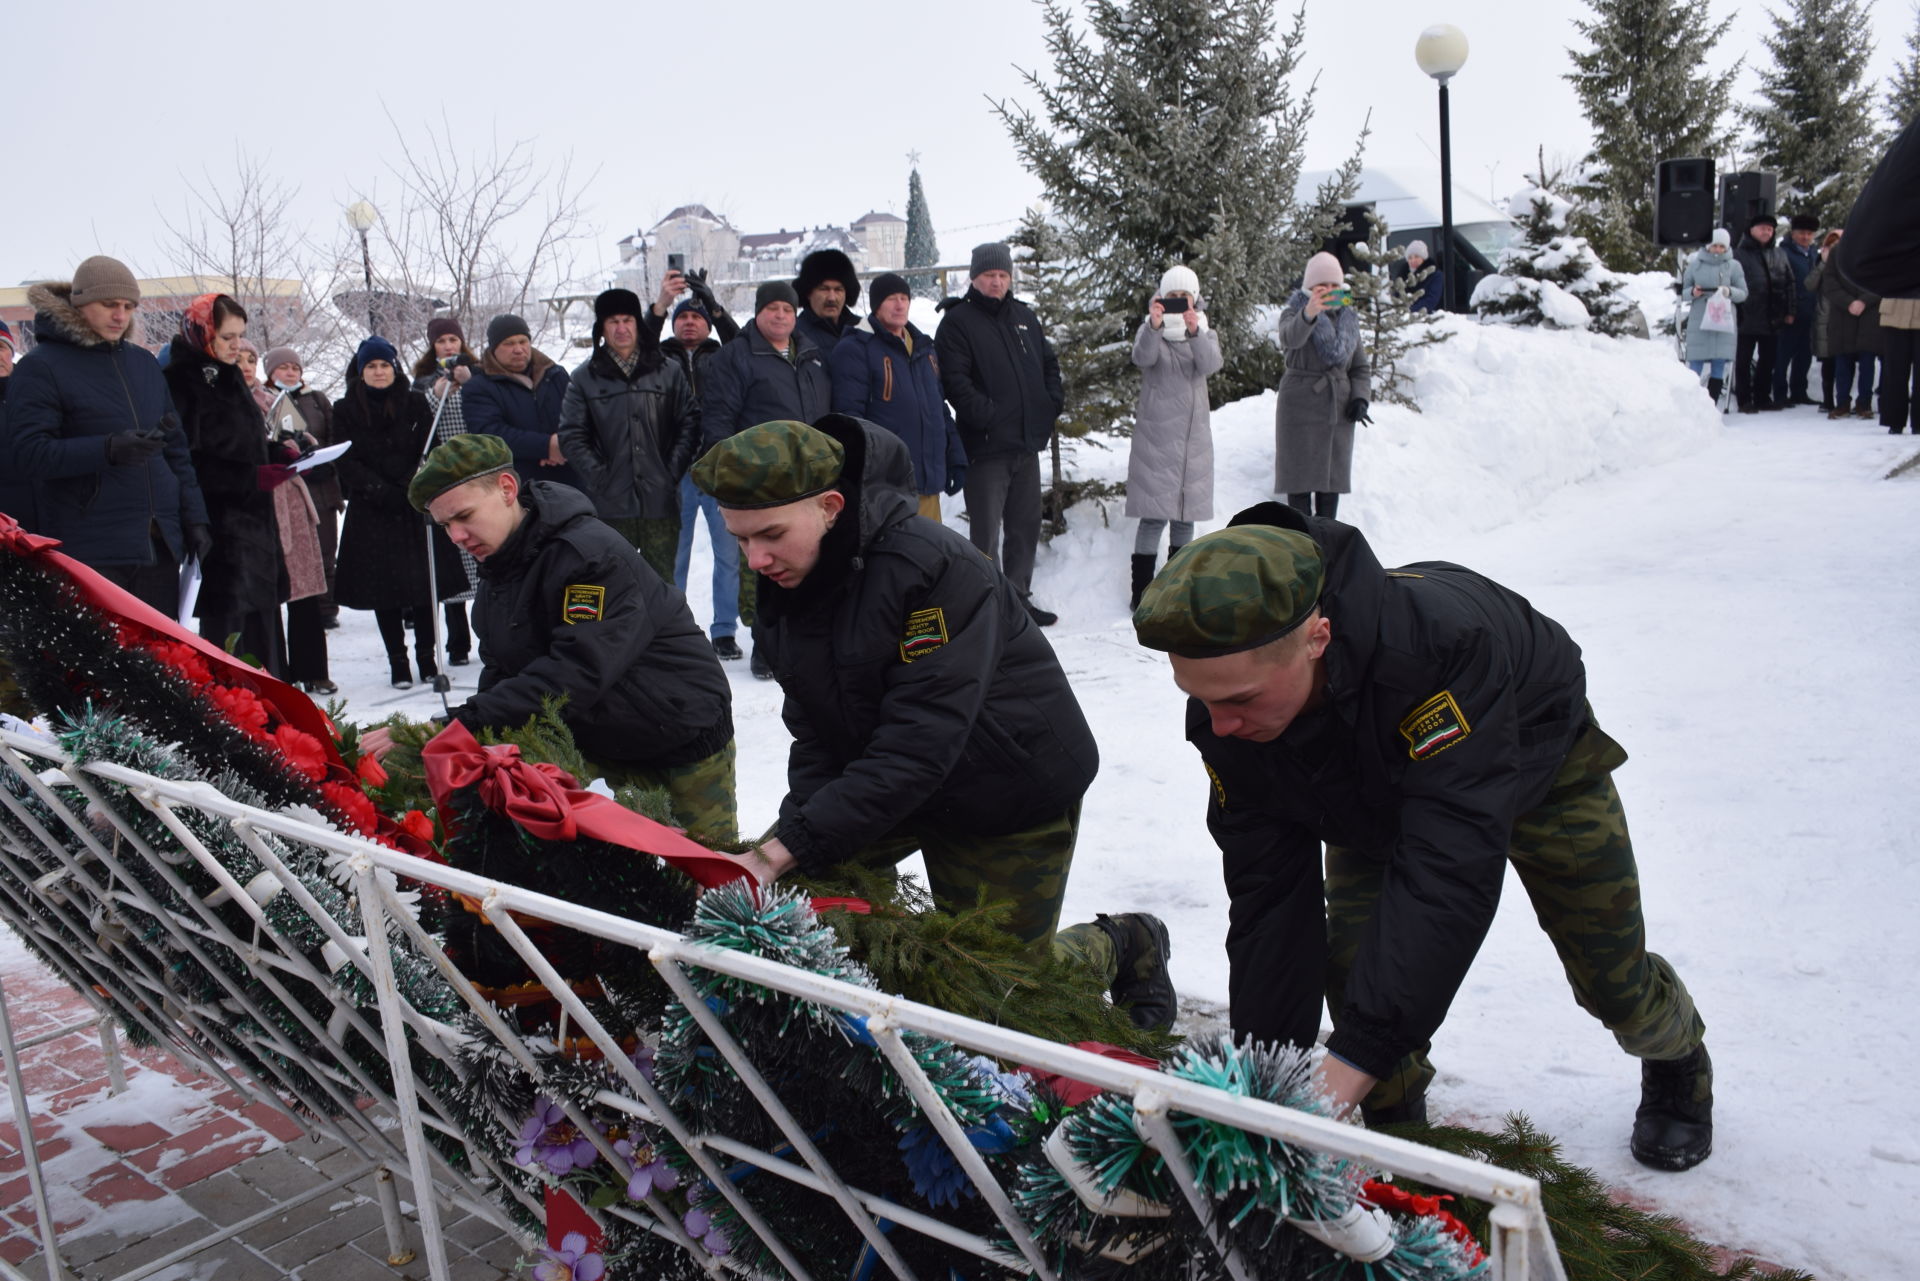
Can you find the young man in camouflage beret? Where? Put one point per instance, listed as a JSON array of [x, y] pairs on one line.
[[928, 711], [1430, 727], [567, 607]]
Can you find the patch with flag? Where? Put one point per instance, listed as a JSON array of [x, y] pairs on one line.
[[925, 632], [1434, 726], [583, 603]]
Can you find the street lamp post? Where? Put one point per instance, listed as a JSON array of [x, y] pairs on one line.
[[361, 216], [1441, 51]]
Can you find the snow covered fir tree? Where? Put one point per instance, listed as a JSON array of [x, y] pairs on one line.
[[1903, 86], [1814, 121], [1645, 88], [1552, 277], [1390, 328], [922, 249]]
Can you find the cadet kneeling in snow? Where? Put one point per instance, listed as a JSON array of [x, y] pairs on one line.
[[567, 607], [1430, 727], [928, 711]]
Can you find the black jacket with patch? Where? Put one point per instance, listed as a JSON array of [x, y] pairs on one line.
[[1449, 705], [1000, 375], [567, 607], [631, 438], [918, 689]]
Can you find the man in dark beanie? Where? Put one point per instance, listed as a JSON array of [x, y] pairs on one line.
[[773, 372], [884, 371], [517, 397], [828, 288], [1794, 356], [1001, 377], [629, 426], [90, 420]]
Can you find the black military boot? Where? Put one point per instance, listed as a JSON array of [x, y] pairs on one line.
[[1142, 986], [1142, 575], [1673, 1130]]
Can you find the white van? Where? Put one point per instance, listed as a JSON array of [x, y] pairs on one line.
[[1407, 199]]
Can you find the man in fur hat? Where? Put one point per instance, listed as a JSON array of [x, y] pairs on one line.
[[828, 288]]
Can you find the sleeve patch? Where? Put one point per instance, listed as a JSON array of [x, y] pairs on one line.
[[583, 603], [1434, 726], [1219, 788], [925, 632]]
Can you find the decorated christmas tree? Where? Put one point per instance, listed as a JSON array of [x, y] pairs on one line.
[[922, 250], [1553, 278]]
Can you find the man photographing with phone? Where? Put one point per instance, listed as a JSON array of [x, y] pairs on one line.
[[1325, 391]]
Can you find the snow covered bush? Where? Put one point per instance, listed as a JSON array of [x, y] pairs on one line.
[[1553, 278]]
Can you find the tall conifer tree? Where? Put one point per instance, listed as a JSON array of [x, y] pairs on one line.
[[1814, 124], [1903, 87], [1645, 89], [922, 250]]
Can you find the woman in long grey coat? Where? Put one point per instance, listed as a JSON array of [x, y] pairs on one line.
[[1712, 270], [1170, 464], [1325, 391]]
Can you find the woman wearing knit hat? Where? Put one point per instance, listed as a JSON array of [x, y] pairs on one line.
[[1324, 392], [383, 546], [441, 374], [1170, 458], [1713, 273], [244, 577]]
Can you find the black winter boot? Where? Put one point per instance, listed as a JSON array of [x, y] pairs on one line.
[[1141, 985], [1142, 575], [400, 670], [1716, 388], [1673, 1130]]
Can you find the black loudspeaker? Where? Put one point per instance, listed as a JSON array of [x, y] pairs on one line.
[[1744, 197], [1683, 202]]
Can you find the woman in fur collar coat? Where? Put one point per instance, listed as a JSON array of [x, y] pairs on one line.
[[1325, 391]]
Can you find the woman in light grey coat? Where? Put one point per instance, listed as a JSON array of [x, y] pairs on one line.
[[1325, 391], [1712, 270], [1170, 464]]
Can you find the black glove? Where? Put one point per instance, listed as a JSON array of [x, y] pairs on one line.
[[134, 448], [199, 542], [1357, 410], [956, 477], [697, 286]]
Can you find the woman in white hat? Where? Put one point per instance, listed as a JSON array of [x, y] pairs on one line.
[[1170, 466]]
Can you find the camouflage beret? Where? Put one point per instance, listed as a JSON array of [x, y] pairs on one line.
[[460, 460], [770, 465], [1233, 590]]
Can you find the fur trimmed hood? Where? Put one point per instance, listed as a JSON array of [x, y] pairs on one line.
[[56, 318]]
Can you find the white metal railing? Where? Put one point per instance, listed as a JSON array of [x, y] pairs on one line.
[[70, 910]]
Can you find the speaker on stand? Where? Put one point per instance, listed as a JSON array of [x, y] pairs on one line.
[[1682, 219]]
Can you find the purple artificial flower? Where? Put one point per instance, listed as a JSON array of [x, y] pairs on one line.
[[571, 1262], [700, 1226], [650, 1170], [549, 1139], [643, 1059]]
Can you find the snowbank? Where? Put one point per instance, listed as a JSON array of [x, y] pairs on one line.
[[1510, 416]]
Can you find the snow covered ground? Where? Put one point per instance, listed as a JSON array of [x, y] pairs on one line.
[[1743, 592]]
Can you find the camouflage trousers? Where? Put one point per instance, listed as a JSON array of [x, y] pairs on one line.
[[1027, 869], [702, 793], [657, 539], [1575, 860]]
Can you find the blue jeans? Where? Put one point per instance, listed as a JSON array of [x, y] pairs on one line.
[[726, 556], [1718, 367], [1844, 366]]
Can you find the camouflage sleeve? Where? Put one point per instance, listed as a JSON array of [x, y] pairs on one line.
[[1459, 794]]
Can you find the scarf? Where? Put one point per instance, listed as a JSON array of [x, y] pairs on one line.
[[1336, 337], [196, 324]]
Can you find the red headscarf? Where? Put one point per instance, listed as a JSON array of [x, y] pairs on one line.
[[196, 326]]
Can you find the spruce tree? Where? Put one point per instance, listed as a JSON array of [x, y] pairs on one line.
[[1645, 89], [922, 251], [1814, 124], [1169, 133], [1903, 87], [1389, 326], [1552, 278]]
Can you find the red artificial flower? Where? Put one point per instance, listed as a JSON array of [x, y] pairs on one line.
[[370, 771], [242, 707], [185, 661], [417, 825], [303, 751], [354, 805]]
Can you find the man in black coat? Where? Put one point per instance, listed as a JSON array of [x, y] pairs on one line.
[[827, 287], [1430, 727], [1002, 379], [928, 712], [566, 607], [1767, 310], [1793, 359], [89, 418], [772, 371], [629, 426]]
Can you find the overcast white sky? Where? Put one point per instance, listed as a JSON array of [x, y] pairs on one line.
[[776, 114]]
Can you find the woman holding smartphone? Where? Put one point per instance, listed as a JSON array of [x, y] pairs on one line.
[[1170, 459], [1324, 392], [442, 370]]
